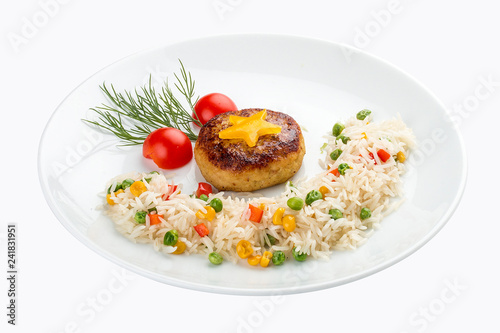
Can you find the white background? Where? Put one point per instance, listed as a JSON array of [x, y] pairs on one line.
[[447, 45]]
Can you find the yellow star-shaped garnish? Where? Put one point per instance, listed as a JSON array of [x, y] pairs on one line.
[[249, 128]]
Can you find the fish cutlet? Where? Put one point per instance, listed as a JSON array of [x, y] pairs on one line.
[[232, 165]]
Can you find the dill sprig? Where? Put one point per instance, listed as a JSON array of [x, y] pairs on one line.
[[133, 115]]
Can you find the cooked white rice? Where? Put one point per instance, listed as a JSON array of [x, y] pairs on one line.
[[369, 183]]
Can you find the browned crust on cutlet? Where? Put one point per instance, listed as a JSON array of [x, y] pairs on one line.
[[236, 155]]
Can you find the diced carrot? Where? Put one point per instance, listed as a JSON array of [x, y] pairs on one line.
[[255, 214], [154, 219], [201, 229], [335, 172], [383, 155]]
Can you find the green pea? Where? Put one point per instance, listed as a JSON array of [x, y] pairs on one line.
[[363, 114], [365, 213], [313, 196], [295, 203], [215, 258], [203, 197], [335, 154], [299, 256], [216, 204], [154, 173], [171, 237], [127, 182], [335, 214], [140, 217], [148, 179], [272, 239], [337, 129], [152, 210], [343, 167], [278, 258], [344, 139], [117, 187]]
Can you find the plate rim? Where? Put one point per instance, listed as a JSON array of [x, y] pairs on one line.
[[165, 279]]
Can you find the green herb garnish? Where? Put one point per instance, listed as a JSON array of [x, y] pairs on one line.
[[323, 147], [131, 116]]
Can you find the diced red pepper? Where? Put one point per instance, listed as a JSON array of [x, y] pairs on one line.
[[255, 214], [154, 219], [201, 229], [370, 154], [203, 188], [171, 189], [383, 155], [335, 172]]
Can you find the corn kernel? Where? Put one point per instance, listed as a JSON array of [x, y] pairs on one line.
[[209, 215], [401, 157], [110, 200], [254, 260], [289, 223], [364, 136], [181, 247], [324, 190], [266, 258], [138, 188], [244, 249], [278, 216]]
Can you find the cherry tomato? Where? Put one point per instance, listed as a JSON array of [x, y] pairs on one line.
[[211, 105], [169, 148], [203, 188]]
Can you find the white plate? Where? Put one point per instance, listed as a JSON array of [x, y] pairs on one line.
[[316, 82]]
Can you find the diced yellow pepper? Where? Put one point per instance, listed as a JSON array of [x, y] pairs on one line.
[[235, 120], [289, 223], [181, 247], [278, 216], [249, 128], [110, 200], [209, 215], [266, 258], [138, 188], [401, 157]]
